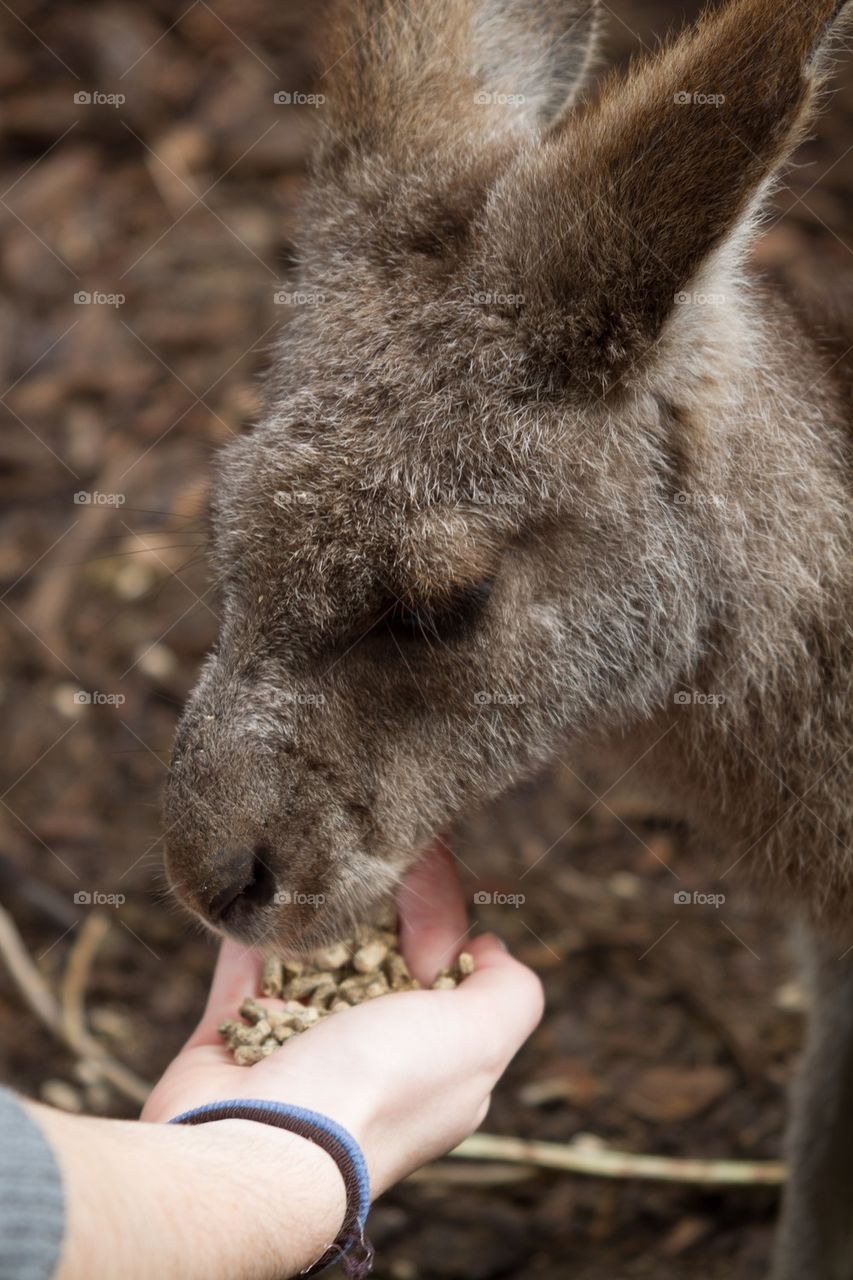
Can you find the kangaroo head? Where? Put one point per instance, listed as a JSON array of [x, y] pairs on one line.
[[455, 540]]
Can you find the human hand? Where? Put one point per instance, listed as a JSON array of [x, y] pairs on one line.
[[410, 1074]]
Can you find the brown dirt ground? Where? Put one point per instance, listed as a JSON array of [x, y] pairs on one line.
[[668, 1030]]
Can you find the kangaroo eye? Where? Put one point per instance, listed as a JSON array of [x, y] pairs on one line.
[[441, 620]]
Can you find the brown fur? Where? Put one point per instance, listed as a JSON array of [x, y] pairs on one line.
[[600, 499]]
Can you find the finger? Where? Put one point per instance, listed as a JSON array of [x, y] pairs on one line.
[[433, 920], [503, 992], [237, 975]]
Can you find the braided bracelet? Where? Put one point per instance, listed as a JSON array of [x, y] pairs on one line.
[[351, 1248]]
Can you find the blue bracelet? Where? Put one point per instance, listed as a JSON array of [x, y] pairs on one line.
[[351, 1248]]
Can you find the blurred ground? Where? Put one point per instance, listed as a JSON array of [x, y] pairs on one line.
[[670, 1029]]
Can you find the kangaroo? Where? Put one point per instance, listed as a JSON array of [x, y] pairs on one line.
[[546, 463]]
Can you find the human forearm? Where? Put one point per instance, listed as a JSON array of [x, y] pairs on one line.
[[234, 1200]]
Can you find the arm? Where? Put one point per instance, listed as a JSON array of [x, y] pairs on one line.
[[225, 1200]]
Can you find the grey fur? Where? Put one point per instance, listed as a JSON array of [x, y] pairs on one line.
[[512, 376]]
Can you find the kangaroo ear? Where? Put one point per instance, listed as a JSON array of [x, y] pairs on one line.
[[411, 78], [535, 54], [632, 198]]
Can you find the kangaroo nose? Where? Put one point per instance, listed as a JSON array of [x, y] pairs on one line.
[[249, 885]]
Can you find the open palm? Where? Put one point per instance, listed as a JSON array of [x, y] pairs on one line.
[[409, 1074]]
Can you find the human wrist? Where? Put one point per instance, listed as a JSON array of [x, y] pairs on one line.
[[233, 1199], [330, 1136], [297, 1193], [289, 1177]]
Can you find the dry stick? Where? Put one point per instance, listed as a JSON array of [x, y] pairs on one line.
[[44, 1005], [78, 967], [29, 981], [473, 1175], [602, 1163]]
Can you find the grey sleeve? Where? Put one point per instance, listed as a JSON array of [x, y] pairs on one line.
[[31, 1200]]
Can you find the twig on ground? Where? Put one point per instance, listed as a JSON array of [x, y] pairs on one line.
[[78, 967], [29, 981], [45, 1006], [603, 1163], [444, 1174]]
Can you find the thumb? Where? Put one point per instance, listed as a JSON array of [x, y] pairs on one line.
[[237, 974], [433, 919]]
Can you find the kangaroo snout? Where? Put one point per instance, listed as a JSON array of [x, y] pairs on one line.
[[266, 830], [258, 854]]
